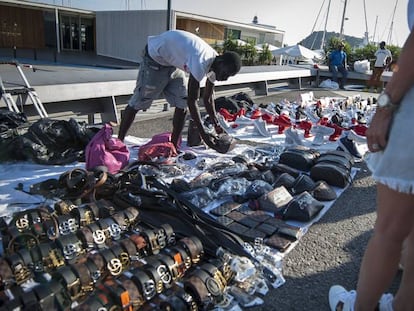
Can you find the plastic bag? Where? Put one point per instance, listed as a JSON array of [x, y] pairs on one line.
[[362, 66], [105, 150]]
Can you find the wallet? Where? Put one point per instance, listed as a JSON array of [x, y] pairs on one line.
[[279, 241]]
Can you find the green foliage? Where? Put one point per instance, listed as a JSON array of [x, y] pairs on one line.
[[265, 55]]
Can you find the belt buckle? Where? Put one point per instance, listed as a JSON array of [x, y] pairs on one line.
[[55, 259], [21, 273], [73, 292]]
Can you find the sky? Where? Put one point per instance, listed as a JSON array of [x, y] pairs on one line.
[[296, 17]]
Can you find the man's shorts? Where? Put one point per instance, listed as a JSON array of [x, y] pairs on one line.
[[155, 80]]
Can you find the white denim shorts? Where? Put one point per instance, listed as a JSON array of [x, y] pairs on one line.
[[394, 166]]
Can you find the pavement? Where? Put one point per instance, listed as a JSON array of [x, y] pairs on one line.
[[331, 251]]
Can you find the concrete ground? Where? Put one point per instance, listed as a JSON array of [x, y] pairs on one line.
[[331, 252]]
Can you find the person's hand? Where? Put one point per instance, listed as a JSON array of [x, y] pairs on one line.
[[377, 133]]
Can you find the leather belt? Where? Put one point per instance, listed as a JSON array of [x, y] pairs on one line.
[[69, 280], [85, 278], [145, 284], [194, 248], [135, 297], [45, 298]]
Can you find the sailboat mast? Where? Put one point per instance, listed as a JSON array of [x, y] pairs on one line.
[[326, 23], [366, 38], [341, 34], [392, 24]]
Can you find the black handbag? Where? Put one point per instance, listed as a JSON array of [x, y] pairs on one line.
[[302, 208], [299, 158], [332, 173]]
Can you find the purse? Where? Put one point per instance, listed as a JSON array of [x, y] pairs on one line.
[[105, 150], [274, 200], [332, 173], [299, 158], [302, 208]]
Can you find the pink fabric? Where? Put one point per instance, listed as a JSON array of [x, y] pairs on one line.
[[105, 150]]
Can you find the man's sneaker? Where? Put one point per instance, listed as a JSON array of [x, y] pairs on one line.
[[339, 296], [292, 137], [352, 135], [385, 303], [320, 131], [261, 127], [349, 146], [226, 126], [311, 115]]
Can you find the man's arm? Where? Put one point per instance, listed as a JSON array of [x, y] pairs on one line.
[[193, 95], [208, 99]]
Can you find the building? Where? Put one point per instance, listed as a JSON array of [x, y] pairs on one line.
[[41, 31]]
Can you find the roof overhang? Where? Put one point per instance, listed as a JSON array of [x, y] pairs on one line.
[[43, 6], [263, 28]]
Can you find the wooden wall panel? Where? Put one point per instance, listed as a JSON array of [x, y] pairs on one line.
[[20, 27], [211, 32]]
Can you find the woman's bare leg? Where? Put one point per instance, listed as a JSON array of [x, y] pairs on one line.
[[395, 220]]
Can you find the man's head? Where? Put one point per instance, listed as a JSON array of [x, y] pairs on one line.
[[341, 45], [226, 65], [382, 44]]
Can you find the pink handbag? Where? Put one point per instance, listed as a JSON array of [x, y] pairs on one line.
[[159, 149], [105, 150]]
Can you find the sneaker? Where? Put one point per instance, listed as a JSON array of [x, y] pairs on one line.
[[349, 146], [292, 137], [226, 126], [385, 302], [339, 296], [261, 127], [320, 131], [352, 135], [311, 115], [243, 120]]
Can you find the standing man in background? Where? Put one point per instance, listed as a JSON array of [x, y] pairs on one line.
[[383, 58]]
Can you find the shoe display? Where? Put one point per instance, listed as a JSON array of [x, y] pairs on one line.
[[349, 146], [338, 295]]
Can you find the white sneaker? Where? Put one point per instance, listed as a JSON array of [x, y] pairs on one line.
[[385, 303], [261, 127], [338, 294], [352, 135], [224, 124], [243, 120], [292, 137], [320, 131]]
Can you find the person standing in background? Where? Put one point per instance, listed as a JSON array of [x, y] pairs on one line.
[[383, 58], [390, 141]]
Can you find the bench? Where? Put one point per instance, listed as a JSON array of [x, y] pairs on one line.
[[323, 73]]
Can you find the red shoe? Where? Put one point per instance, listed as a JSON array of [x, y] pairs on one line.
[[306, 126], [268, 118], [241, 112], [283, 122], [227, 115], [338, 131], [360, 129], [256, 114]]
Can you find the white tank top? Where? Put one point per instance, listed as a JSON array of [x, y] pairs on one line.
[[183, 50]]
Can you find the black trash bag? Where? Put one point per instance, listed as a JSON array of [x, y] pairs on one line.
[[55, 142], [11, 120]]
